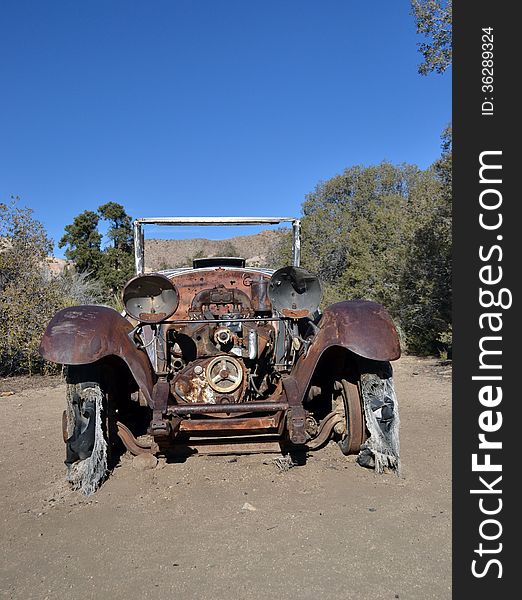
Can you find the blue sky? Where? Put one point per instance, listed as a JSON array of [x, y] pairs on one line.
[[206, 107]]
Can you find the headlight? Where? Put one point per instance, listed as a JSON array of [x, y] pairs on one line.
[[294, 292], [150, 298]]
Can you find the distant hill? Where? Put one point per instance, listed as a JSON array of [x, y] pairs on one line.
[[56, 265], [256, 249]]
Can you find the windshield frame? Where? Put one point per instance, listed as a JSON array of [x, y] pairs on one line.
[[139, 238]]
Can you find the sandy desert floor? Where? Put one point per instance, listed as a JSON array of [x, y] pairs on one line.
[[225, 527]]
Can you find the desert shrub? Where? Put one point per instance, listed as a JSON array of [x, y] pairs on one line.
[[29, 293]]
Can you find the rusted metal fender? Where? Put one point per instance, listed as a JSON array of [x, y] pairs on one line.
[[81, 335], [361, 326]]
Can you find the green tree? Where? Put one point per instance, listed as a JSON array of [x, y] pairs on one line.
[[111, 266], [120, 229], [117, 259], [383, 233], [349, 220], [433, 19], [426, 285], [83, 242]]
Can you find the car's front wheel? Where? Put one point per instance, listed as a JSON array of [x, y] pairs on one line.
[[381, 450], [369, 423], [85, 425]]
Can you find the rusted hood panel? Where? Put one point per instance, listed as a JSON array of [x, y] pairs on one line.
[[191, 283]]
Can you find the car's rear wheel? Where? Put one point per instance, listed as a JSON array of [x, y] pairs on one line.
[[85, 428]]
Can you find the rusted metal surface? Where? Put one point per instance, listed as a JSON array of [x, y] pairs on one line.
[[296, 418], [222, 287], [85, 334], [209, 381], [259, 294], [236, 301], [355, 418], [362, 327], [221, 426], [240, 407], [190, 385], [325, 430], [133, 445], [295, 314], [228, 446], [296, 415], [160, 427]]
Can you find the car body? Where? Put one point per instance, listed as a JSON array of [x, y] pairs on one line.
[[221, 354]]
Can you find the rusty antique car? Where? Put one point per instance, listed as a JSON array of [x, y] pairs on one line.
[[224, 356]]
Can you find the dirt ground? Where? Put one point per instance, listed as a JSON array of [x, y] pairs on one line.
[[229, 528]]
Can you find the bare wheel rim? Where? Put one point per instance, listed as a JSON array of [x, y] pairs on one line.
[[354, 436]]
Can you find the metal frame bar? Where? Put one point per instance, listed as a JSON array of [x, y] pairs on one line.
[[225, 320], [139, 243], [239, 407]]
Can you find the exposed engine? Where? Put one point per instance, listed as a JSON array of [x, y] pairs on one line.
[[230, 333], [220, 357], [230, 361]]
